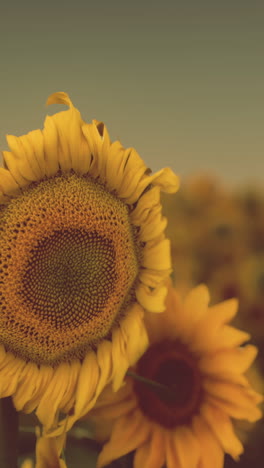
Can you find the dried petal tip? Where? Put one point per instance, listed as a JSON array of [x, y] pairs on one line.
[[59, 98]]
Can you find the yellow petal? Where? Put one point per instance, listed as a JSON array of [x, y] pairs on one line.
[[10, 371], [14, 170], [171, 455], [120, 358], [236, 411], [157, 255], [95, 142], [50, 402], [154, 225], [153, 278], [51, 147], [236, 361], [144, 206], [116, 161], [152, 453], [196, 303], [212, 454], [229, 392], [59, 98], [195, 309], [170, 323], [129, 433], [27, 385], [48, 452], [68, 398], [134, 333], [186, 447], [167, 180], [87, 384], [36, 141], [222, 427], [129, 187], [45, 375], [8, 184], [153, 301]]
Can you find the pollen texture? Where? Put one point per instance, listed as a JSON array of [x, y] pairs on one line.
[[68, 264]]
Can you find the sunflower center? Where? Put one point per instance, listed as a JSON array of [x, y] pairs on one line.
[[68, 264], [177, 395]]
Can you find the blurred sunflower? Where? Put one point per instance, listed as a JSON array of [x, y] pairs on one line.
[[82, 254], [184, 419]]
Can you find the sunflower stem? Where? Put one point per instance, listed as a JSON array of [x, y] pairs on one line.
[[167, 391], [8, 434]]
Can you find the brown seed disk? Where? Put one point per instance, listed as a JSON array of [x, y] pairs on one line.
[[68, 263], [170, 364]]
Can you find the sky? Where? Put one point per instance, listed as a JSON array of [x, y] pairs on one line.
[[181, 81]]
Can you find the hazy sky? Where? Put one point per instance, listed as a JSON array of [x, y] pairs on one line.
[[182, 82]]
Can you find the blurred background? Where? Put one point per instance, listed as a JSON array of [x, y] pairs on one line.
[[182, 82]]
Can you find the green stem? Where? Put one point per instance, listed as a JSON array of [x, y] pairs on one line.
[[157, 386], [8, 434]]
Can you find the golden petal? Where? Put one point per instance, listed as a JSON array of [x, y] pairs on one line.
[[120, 359], [153, 301], [236, 360], [115, 164], [129, 433], [237, 411], [170, 323], [230, 392], [36, 141], [50, 402], [59, 98], [41, 383], [133, 329], [167, 180], [171, 455], [222, 427], [27, 385], [48, 452], [144, 206], [87, 383], [157, 255], [51, 147], [14, 170], [153, 278], [94, 140], [8, 185], [21, 158], [11, 369], [186, 447], [151, 454], [212, 454], [154, 225], [68, 398], [217, 337]]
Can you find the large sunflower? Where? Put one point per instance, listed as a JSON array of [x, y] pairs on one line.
[[186, 421], [82, 254]]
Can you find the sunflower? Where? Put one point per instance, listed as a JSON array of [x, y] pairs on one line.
[[82, 255], [178, 404]]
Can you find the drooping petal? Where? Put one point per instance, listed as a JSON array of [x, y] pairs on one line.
[[128, 433]]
